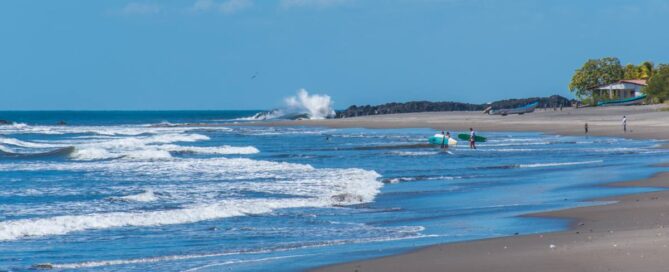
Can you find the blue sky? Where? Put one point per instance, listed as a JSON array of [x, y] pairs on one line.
[[203, 54]]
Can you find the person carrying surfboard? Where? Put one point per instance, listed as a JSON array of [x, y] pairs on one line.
[[472, 138], [445, 140]]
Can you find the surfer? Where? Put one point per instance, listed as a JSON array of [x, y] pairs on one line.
[[624, 123], [445, 139], [472, 138]]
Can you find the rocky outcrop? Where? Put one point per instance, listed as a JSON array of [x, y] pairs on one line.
[[426, 106]]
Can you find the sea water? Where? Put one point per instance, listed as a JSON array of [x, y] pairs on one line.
[[140, 192]]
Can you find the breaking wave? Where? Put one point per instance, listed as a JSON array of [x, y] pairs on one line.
[[307, 186], [301, 106], [156, 147], [146, 196]]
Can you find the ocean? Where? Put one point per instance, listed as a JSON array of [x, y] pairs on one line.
[[136, 191]]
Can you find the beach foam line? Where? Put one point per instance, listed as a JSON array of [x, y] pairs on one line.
[[414, 153], [418, 178], [245, 261], [552, 164], [408, 235], [537, 165]]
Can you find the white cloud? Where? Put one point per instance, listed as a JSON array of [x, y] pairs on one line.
[[225, 7], [203, 5], [313, 3], [134, 8]]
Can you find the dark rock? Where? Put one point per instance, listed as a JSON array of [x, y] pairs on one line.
[[426, 106], [5, 122], [43, 266]]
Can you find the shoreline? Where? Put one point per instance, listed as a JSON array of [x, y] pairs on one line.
[[629, 234], [644, 122]]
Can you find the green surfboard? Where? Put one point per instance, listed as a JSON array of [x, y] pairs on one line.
[[465, 137]]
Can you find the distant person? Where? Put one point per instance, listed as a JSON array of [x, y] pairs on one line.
[[447, 136], [472, 138], [586, 129], [624, 123], [443, 139], [561, 107]]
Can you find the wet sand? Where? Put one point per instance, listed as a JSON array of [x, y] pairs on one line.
[[630, 235]]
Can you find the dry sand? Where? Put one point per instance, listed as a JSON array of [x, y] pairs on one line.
[[630, 235], [648, 122]]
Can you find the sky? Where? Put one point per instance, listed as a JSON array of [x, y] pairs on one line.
[[251, 54]]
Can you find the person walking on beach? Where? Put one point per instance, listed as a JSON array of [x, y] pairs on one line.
[[472, 138], [586, 129], [624, 123]]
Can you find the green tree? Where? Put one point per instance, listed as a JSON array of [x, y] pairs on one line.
[[631, 72], [658, 85], [645, 70], [595, 72]]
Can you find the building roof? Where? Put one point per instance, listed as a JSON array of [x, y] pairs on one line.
[[641, 82], [621, 84]]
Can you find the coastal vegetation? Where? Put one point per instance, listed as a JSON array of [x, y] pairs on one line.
[[658, 85], [598, 72], [554, 101]]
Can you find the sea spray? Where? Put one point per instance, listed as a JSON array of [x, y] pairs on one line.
[[317, 106], [301, 106]]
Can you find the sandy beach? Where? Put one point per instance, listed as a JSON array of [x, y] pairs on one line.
[[644, 122], [631, 234]]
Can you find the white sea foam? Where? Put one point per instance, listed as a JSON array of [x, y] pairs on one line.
[[266, 115], [117, 130], [401, 233], [219, 150], [409, 234], [419, 178], [550, 164], [58, 225], [92, 153], [19, 143], [146, 196], [414, 153], [317, 106], [6, 149], [310, 187], [149, 147]]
